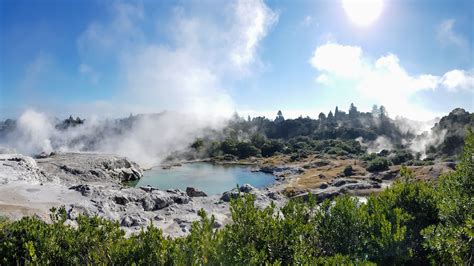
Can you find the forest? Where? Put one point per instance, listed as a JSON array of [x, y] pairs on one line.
[[341, 134]]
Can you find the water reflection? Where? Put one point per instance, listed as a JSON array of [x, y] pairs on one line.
[[212, 179]]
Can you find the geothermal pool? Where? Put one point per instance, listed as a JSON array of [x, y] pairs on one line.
[[210, 178]]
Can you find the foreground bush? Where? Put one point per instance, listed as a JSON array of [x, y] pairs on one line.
[[451, 241], [412, 222]]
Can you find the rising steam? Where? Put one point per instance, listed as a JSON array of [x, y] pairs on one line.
[[147, 139]]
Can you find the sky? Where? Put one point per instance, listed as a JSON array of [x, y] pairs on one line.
[[111, 58]]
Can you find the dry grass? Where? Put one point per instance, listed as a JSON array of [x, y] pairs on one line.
[[316, 173], [428, 172], [313, 177]]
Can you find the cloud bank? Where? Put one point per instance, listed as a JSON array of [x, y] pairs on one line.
[[384, 80]]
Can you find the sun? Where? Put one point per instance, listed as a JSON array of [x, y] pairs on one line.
[[363, 12]]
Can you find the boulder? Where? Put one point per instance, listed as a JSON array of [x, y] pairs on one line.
[[451, 165], [228, 195], [85, 190], [217, 224], [148, 188], [161, 199], [98, 173], [121, 200], [41, 155], [323, 186], [133, 220], [246, 188], [274, 195], [341, 182], [376, 179], [73, 212], [178, 196], [192, 192], [376, 185], [71, 170], [388, 175], [129, 174], [267, 169], [234, 193], [230, 157], [148, 204], [180, 199]]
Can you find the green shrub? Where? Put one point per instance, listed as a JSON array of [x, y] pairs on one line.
[[245, 150], [378, 164], [229, 146], [452, 240], [337, 151], [400, 156], [368, 157], [272, 147]]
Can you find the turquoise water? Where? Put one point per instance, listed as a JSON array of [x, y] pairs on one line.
[[212, 179]]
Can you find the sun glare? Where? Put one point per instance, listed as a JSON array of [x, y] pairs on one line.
[[363, 12]]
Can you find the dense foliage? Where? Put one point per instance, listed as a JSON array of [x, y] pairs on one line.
[[411, 222], [338, 134], [378, 164]]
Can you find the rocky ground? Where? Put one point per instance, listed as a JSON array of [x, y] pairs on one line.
[[92, 184]]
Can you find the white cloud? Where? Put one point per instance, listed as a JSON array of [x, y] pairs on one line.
[[339, 59], [446, 34], [383, 81], [252, 19], [323, 79], [456, 79]]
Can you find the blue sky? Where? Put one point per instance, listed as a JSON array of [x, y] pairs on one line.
[[110, 58]]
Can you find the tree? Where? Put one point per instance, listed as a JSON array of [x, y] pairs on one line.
[[375, 111], [353, 111], [322, 116], [279, 117], [229, 146], [197, 145], [383, 111], [258, 140], [330, 116], [271, 147], [246, 149], [235, 116], [336, 113]]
